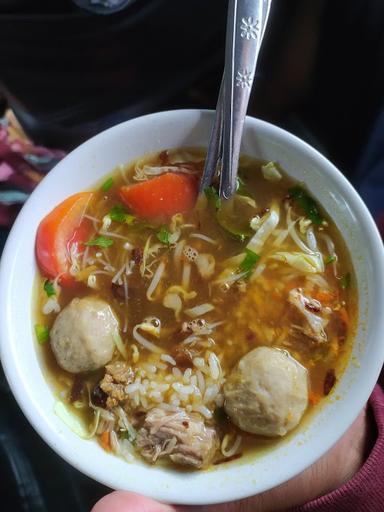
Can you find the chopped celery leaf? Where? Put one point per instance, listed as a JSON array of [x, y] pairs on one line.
[[163, 235], [249, 261], [307, 204], [212, 194], [119, 214], [49, 288], [107, 185], [99, 241]]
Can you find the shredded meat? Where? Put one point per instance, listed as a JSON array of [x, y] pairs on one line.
[[182, 437], [307, 306], [117, 376]]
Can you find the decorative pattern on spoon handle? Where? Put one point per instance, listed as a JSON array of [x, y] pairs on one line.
[[251, 17]]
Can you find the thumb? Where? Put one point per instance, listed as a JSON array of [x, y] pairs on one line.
[[120, 501]]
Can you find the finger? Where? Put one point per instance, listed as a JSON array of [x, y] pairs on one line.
[[120, 501], [322, 477]]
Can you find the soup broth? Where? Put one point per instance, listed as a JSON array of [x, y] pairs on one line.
[[192, 293]]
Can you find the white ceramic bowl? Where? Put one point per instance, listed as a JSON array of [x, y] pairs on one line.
[[80, 170]]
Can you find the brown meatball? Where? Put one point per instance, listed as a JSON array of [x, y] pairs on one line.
[[82, 337], [267, 392]]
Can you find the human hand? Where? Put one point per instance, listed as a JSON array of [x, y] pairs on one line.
[[330, 472]]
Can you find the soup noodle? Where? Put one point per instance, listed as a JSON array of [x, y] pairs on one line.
[[190, 329]]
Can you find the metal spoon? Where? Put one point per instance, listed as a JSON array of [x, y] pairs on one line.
[[247, 20]]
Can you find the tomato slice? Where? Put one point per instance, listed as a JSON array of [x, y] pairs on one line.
[[162, 196], [62, 227]]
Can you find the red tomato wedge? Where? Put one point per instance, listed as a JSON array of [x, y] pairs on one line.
[[161, 197], [62, 227]]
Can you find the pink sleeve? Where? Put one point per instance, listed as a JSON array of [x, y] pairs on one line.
[[365, 491]]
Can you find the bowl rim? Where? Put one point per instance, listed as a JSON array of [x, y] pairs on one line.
[[226, 494]]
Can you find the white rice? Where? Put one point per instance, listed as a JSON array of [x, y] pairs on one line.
[[150, 368], [168, 359], [197, 389], [177, 373], [187, 375], [202, 409], [131, 388], [214, 365], [198, 362], [200, 381], [210, 393]]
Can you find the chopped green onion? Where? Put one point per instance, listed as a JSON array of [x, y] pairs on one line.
[[330, 259], [49, 288], [42, 333], [307, 204], [250, 260], [99, 241], [163, 235], [119, 214], [108, 183], [212, 193], [346, 281]]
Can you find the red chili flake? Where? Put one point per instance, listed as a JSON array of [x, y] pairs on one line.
[[77, 388], [312, 307], [228, 459], [329, 381], [163, 157], [250, 336], [185, 424], [137, 255]]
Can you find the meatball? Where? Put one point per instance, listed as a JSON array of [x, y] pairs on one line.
[[182, 437], [82, 336], [267, 392]]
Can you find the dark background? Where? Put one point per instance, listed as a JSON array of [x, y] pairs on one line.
[[69, 73]]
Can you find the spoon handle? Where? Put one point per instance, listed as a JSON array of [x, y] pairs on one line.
[[214, 153], [247, 20]]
